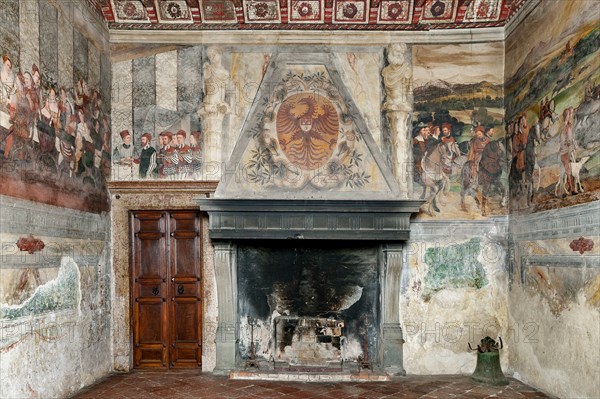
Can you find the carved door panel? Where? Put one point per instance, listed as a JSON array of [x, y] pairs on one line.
[[166, 289], [185, 319]]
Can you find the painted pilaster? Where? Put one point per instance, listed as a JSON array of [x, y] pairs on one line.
[[226, 275], [29, 27], [391, 332], [121, 118], [397, 78]]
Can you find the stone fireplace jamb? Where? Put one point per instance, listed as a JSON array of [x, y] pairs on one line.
[[226, 275], [391, 332]]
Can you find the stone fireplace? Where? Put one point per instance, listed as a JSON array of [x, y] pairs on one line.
[[308, 223], [308, 286]]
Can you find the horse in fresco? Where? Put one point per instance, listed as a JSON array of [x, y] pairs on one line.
[[488, 180], [436, 163], [524, 162]]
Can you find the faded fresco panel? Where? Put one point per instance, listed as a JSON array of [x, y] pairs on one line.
[[552, 106], [54, 141], [9, 29], [458, 130]]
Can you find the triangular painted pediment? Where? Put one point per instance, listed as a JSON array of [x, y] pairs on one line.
[[304, 138]]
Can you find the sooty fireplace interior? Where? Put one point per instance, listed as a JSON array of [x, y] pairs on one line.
[[308, 305], [308, 285]]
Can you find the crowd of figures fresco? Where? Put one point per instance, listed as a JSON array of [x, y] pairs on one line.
[[459, 162], [61, 133], [553, 124]]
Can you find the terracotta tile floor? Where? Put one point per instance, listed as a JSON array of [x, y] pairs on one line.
[[192, 384]]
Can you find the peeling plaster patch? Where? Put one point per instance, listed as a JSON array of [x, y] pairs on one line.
[[560, 286], [58, 294], [454, 266], [592, 292]]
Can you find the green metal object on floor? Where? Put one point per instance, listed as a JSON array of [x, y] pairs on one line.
[[488, 370]]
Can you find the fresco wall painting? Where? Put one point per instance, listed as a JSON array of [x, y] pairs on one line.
[[54, 129], [553, 120], [458, 135]]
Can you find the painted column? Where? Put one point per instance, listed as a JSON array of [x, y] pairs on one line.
[[226, 275], [391, 332], [397, 78], [212, 112]]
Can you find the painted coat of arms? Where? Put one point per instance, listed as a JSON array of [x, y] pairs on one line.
[[306, 137]]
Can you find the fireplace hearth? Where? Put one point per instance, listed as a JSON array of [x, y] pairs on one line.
[[307, 286]]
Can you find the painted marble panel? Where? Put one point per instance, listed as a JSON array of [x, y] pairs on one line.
[[49, 42], [166, 80], [93, 65], [247, 71], [359, 68], [9, 29], [552, 103], [458, 131], [65, 51], [29, 34], [105, 78], [189, 78], [143, 95], [80, 56]]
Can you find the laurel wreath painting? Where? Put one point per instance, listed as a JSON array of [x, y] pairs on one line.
[[306, 136]]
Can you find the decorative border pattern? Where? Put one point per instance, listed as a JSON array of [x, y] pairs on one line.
[[175, 11], [439, 11], [574, 221], [305, 11], [395, 12], [262, 11], [217, 12], [320, 15], [26, 217]]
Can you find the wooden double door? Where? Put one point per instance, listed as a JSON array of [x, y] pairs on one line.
[[166, 289]]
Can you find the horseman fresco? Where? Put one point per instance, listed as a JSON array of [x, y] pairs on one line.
[[519, 143], [476, 146]]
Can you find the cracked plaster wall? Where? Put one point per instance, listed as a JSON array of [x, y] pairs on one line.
[[55, 307], [554, 291]]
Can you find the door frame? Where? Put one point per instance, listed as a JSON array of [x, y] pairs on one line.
[[155, 195]]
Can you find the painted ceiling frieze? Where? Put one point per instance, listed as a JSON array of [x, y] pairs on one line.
[[383, 15]]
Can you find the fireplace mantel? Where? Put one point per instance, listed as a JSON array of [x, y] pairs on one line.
[[375, 220]]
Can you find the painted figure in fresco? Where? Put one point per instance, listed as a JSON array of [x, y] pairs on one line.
[[167, 157], [66, 147], [8, 89], [489, 171], [476, 146], [196, 150], [567, 146], [435, 165], [434, 137], [419, 146], [123, 155], [21, 118], [184, 155], [147, 159]]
